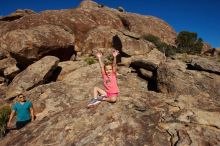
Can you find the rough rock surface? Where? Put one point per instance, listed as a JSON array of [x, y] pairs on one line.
[[174, 78], [5, 63], [28, 45], [140, 117], [79, 22], [17, 15], [34, 75], [67, 67], [204, 64], [106, 37], [11, 71], [162, 102], [151, 61]]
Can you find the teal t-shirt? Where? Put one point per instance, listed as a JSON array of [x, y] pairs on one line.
[[22, 110]]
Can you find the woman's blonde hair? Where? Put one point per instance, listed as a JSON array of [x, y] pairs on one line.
[[108, 64]]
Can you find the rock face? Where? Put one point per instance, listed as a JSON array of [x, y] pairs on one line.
[[49, 56], [34, 75], [204, 64], [140, 117], [17, 14], [28, 45], [79, 23], [5, 63], [174, 78]]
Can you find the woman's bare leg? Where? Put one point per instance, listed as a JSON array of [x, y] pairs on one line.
[[111, 99], [97, 91]]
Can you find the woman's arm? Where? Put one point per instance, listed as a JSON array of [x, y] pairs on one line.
[[114, 65], [99, 56]]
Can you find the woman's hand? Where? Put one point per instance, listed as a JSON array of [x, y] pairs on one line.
[[115, 53], [99, 54]]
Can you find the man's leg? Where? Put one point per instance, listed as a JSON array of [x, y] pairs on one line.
[[21, 124]]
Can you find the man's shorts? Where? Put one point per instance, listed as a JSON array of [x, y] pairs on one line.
[[21, 124]]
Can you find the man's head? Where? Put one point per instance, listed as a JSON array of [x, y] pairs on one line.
[[21, 97]]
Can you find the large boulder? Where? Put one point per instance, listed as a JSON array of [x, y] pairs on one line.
[[203, 64], [174, 78], [67, 67], [80, 22], [36, 74], [106, 37], [88, 4], [28, 45], [144, 25], [151, 61], [6, 63], [11, 71]]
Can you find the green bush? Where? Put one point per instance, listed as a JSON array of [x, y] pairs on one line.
[[151, 38], [4, 115], [90, 60], [168, 50], [187, 42]]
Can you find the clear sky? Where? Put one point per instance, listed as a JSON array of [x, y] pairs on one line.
[[201, 16]]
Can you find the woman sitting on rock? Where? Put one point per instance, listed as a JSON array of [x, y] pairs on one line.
[[111, 91]]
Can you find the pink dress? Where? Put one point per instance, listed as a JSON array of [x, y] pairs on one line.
[[110, 84]]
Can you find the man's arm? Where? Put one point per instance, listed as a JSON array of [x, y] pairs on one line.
[[32, 113], [10, 118], [114, 65]]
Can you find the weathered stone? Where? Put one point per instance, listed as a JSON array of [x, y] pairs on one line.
[[124, 70], [150, 62], [81, 21], [106, 37], [204, 64], [88, 4], [17, 14], [27, 45], [140, 25], [6, 62], [2, 80], [2, 55], [187, 114], [173, 78], [147, 114], [68, 67], [3, 88], [146, 73], [121, 9], [126, 61], [11, 71], [33, 76]]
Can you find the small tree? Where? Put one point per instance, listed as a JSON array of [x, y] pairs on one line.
[[187, 42]]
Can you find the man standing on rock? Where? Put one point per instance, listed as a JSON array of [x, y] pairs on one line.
[[24, 110]]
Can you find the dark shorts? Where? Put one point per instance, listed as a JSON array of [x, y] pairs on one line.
[[21, 124]]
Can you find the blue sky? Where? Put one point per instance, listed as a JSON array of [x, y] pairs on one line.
[[201, 16]]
